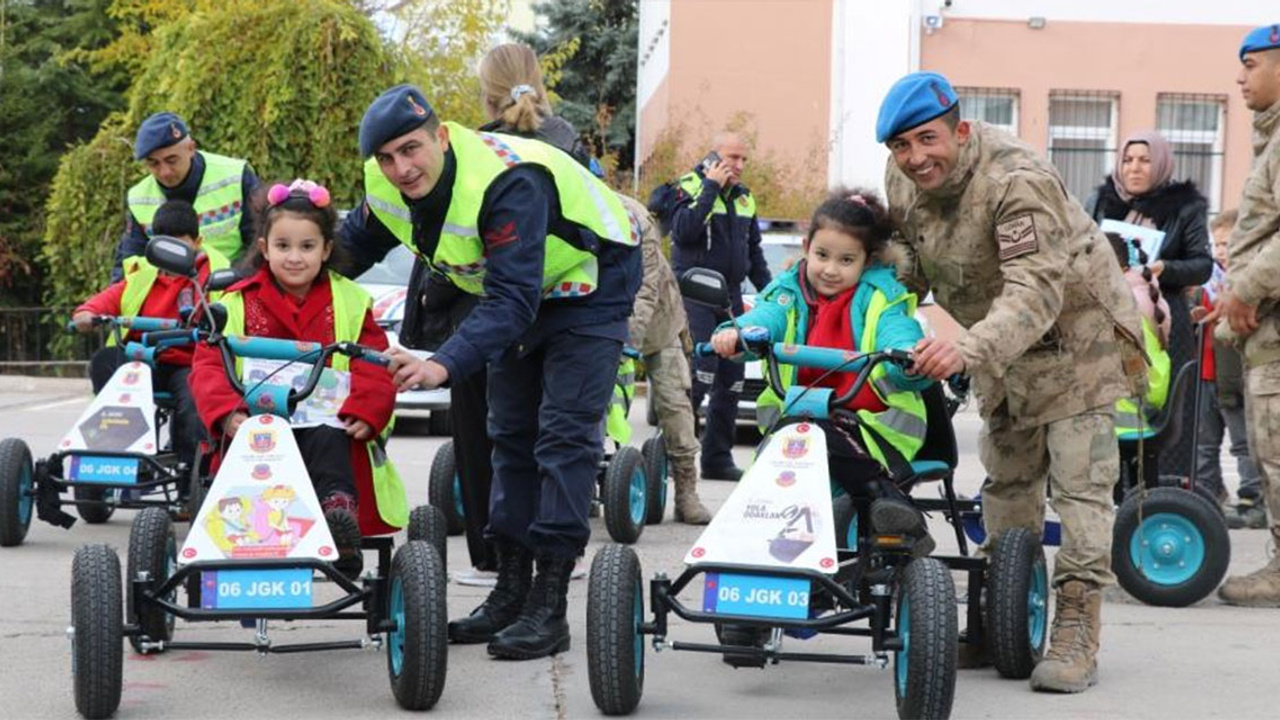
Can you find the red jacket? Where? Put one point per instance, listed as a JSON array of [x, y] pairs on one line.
[[1208, 369], [271, 312], [163, 301]]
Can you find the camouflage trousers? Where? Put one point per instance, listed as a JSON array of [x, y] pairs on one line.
[[1262, 409], [1080, 459], [668, 374]]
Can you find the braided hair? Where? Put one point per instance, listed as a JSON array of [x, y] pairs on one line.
[[1129, 252]]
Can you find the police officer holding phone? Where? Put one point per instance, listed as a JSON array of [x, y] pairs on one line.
[[714, 226]]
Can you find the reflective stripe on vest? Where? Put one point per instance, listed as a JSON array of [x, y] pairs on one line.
[[219, 203], [350, 304], [902, 424], [481, 158], [743, 206], [617, 426], [1130, 423]]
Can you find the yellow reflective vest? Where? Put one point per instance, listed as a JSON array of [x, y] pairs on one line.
[[219, 203]]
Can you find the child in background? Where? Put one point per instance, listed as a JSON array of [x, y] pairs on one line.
[[292, 294]]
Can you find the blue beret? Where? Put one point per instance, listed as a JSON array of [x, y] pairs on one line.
[[395, 112], [1266, 37], [158, 131], [914, 100]]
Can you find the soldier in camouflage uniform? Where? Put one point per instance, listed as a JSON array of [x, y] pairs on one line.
[[659, 329], [1251, 303], [988, 226]]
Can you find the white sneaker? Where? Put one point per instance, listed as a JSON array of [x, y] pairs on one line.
[[477, 578], [579, 569]]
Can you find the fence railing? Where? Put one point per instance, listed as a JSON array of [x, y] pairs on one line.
[[34, 341]]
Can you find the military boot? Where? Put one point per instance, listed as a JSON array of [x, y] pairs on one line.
[[505, 601], [689, 508], [1260, 588], [541, 629], [1071, 663]]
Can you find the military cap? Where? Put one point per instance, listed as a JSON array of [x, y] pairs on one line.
[[914, 100], [1266, 37], [158, 131], [395, 112]]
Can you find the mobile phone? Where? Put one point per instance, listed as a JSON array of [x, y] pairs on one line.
[[709, 161]]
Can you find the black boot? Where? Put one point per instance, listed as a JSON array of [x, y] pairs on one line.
[[505, 601], [541, 629], [893, 513]]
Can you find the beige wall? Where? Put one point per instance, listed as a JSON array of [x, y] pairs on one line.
[[769, 58], [1137, 61]]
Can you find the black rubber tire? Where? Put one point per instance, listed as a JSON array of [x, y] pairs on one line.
[[930, 656], [153, 548], [1201, 489], [425, 657], [93, 511], [427, 524], [15, 465], [1015, 558], [654, 452], [97, 649], [616, 495], [440, 423], [1195, 510], [615, 590], [440, 486]]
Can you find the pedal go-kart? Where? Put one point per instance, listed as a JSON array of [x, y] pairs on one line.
[[256, 553], [1169, 545], [631, 489], [112, 457], [771, 565]]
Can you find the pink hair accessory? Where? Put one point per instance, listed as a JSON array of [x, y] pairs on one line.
[[857, 199], [314, 192]]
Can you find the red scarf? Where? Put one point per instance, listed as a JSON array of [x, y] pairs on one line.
[[830, 326]]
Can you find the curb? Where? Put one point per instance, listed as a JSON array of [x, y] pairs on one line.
[[29, 384]]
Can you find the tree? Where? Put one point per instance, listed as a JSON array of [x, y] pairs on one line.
[[597, 83], [48, 101]]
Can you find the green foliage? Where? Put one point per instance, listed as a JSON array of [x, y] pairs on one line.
[[47, 102], [281, 83], [594, 44]]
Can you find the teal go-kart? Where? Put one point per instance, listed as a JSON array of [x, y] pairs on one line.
[[631, 488], [113, 456], [781, 561], [259, 552]]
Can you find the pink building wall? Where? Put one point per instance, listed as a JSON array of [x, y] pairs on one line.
[[768, 58], [1136, 61]]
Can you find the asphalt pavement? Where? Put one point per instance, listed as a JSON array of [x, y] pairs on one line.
[[1205, 661]]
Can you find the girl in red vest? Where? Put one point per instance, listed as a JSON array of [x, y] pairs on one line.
[[290, 295]]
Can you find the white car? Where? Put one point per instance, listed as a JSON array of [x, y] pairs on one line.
[[388, 283]]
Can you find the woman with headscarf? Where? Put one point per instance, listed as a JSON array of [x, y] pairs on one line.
[[1141, 191]]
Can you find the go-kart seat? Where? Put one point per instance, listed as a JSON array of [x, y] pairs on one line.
[[1168, 424], [938, 456]]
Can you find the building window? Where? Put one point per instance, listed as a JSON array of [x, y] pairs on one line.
[[1082, 137], [994, 106], [1193, 125]]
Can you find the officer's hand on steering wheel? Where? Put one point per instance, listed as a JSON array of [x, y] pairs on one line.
[[937, 359], [410, 373]]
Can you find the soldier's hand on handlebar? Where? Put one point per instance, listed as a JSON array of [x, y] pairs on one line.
[[937, 359], [409, 372]]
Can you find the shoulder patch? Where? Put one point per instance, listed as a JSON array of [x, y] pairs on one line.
[[784, 299], [1017, 237]]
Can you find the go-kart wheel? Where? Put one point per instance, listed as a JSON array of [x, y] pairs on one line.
[[444, 489], [427, 523], [625, 495], [1171, 548], [924, 670], [417, 649], [615, 646], [196, 490], [91, 504], [97, 653], [654, 451], [1017, 610], [845, 517], [153, 550], [17, 482], [1201, 489]]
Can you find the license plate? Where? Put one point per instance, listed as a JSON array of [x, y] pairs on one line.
[[255, 589], [103, 469], [756, 596]]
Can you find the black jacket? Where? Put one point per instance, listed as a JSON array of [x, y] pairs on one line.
[[727, 243], [1180, 211]]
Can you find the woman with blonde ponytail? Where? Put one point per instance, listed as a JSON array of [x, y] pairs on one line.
[[515, 100]]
